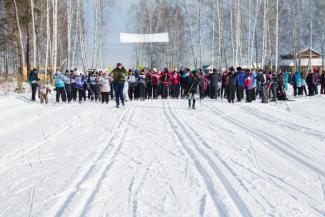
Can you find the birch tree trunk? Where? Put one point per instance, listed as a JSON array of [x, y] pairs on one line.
[[34, 34], [69, 20], [213, 33], [95, 36], [190, 32], [220, 37], [47, 36], [81, 40], [55, 34], [257, 9], [265, 32], [200, 32], [311, 37], [232, 33], [21, 49], [277, 37]]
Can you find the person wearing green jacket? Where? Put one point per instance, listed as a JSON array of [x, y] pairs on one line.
[[119, 75]]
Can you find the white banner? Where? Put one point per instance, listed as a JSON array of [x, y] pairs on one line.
[[144, 38]]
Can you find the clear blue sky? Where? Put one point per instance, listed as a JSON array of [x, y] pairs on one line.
[[117, 21]]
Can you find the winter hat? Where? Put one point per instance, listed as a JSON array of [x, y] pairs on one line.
[[239, 69]]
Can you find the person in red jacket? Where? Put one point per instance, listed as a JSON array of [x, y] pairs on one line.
[[248, 86], [165, 84], [175, 80], [155, 77]]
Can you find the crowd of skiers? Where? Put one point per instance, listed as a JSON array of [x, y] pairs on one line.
[[232, 84]]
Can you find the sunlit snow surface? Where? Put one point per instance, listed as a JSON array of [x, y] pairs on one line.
[[158, 158]]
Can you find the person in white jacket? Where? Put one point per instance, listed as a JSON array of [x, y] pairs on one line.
[[105, 88], [126, 89]]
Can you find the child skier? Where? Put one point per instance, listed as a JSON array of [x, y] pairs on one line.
[[105, 88], [193, 90], [43, 91]]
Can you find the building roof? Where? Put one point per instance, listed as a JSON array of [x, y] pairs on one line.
[[302, 56], [303, 62], [305, 53]]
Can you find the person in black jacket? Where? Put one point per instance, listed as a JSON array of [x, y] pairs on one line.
[[322, 83], [33, 79], [214, 84], [231, 87], [194, 89]]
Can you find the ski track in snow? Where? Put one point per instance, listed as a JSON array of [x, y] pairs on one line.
[[217, 201], [268, 176], [190, 132], [282, 123], [64, 203], [38, 144], [274, 142], [196, 147]]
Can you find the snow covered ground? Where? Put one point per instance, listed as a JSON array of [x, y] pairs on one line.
[[157, 158]]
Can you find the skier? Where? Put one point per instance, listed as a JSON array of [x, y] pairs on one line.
[[33, 79], [148, 85], [231, 81], [93, 87], [67, 84], [105, 88], [223, 91], [202, 86], [248, 86], [192, 94], [175, 84], [119, 75], [264, 82], [133, 83], [274, 85], [165, 81], [58, 79], [43, 91], [79, 85], [296, 82], [322, 83], [240, 84], [214, 83], [74, 90], [316, 80], [286, 80], [281, 87], [142, 85], [310, 80], [155, 83], [184, 81], [254, 91]]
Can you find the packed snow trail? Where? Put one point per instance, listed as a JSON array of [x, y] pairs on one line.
[[158, 158]]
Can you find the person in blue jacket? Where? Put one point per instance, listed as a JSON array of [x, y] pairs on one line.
[[286, 80], [80, 84], [67, 83], [254, 92], [240, 84], [33, 79], [296, 82], [58, 79]]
